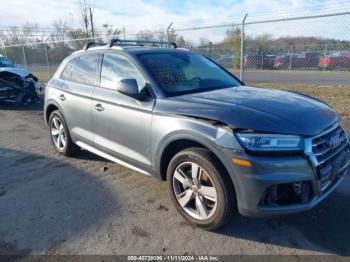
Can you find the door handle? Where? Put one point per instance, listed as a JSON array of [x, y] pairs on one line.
[[62, 97], [99, 107]]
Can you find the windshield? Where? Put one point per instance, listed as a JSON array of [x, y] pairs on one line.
[[4, 62], [183, 72]]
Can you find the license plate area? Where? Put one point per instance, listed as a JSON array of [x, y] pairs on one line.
[[329, 174]]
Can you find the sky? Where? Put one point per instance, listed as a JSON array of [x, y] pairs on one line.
[[137, 15]]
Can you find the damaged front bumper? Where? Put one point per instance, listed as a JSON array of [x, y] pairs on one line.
[[287, 184]]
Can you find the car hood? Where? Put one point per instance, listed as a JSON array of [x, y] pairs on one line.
[[259, 109], [18, 71]]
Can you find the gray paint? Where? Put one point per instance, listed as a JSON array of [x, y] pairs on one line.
[[137, 131]]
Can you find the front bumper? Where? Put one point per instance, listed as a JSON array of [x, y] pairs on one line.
[[253, 184]]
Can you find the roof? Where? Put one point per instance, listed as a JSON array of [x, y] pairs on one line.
[[133, 49], [146, 50]]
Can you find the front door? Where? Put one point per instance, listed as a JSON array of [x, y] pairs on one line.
[[122, 124]]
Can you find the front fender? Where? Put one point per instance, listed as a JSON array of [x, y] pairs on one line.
[[185, 128]]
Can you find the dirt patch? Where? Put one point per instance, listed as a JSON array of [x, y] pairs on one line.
[[161, 207], [138, 231]]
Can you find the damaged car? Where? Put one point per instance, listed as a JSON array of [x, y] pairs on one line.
[[17, 84], [223, 147]]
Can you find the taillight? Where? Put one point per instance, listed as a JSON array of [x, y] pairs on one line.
[[324, 61]]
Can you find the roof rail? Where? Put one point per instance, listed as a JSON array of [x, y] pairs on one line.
[[119, 42], [92, 44]]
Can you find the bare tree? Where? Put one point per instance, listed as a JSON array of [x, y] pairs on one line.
[[172, 36], [146, 35], [28, 33], [61, 30], [181, 42], [108, 30], [92, 22], [77, 34], [233, 42], [161, 35], [84, 11]]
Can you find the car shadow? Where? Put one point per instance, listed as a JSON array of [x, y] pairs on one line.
[[86, 155], [45, 202], [326, 228]]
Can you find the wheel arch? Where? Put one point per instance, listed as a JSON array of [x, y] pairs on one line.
[[49, 108], [180, 142]]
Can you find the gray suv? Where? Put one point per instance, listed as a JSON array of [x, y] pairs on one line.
[[176, 115]]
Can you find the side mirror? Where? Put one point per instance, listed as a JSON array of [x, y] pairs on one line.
[[128, 87], [17, 66]]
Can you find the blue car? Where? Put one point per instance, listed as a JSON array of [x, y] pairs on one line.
[[17, 84]]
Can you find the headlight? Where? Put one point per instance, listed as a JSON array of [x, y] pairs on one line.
[[270, 142]]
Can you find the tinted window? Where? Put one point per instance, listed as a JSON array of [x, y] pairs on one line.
[[82, 69], [184, 72], [116, 67]]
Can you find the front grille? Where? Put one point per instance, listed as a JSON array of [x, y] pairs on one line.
[[328, 151], [323, 147]]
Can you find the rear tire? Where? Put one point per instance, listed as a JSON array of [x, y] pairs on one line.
[[59, 134], [201, 188]]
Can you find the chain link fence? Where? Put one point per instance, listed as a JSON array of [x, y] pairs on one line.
[[42, 59], [308, 54]]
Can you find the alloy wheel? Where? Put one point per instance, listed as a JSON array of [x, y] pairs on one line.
[[195, 190], [58, 133]]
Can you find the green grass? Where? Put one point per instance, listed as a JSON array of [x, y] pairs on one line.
[[44, 76]]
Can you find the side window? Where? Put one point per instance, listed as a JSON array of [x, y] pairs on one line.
[[67, 71], [116, 67], [82, 69]]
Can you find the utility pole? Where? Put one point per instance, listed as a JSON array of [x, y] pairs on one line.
[[24, 58], [241, 75], [92, 24], [168, 32], [5, 51], [47, 60]]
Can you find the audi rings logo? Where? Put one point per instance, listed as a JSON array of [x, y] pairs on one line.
[[336, 140]]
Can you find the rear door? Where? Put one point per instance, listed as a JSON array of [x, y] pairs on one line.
[[122, 124], [74, 94]]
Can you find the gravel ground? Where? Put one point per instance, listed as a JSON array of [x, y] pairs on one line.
[[86, 205]]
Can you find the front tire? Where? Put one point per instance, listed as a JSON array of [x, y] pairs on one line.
[[60, 136], [200, 188]]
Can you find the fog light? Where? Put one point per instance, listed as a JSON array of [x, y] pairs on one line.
[[288, 194], [302, 190]]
